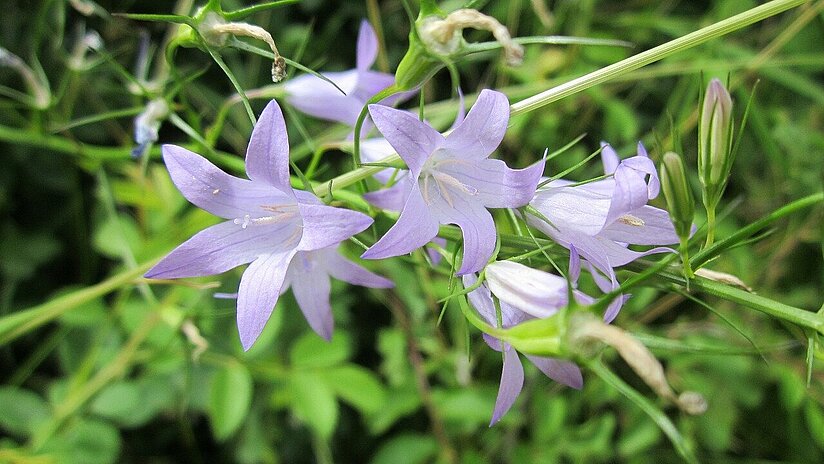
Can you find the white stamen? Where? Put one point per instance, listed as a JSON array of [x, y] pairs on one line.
[[244, 223], [215, 191]]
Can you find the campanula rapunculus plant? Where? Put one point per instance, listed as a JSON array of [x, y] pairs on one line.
[[316, 97], [524, 294], [600, 218], [453, 181], [267, 222]]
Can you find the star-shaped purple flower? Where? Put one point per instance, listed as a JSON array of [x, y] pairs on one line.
[[524, 294], [267, 221], [318, 98], [452, 180], [601, 218]]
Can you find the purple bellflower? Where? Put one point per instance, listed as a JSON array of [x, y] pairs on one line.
[[599, 219], [267, 224], [316, 97], [452, 181], [524, 294]]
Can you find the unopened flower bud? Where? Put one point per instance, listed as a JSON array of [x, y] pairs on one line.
[[537, 293], [715, 140], [677, 192]]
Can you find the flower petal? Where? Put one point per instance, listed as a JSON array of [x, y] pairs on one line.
[[537, 293], [415, 227], [209, 188], [412, 139], [477, 227], [609, 158], [644, 226], [316, 97], [512, 381], [372, 82], [497, 185], [367, 49], [374, 150], [222, 247], [258, 293], [311, 287], [572, 210], [484, 127], [267, 156], [392, 198], [563, 372], [631, 190], [348, 271], [324, 226]]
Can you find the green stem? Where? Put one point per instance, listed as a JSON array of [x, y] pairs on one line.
[[99, 153], [685, 258], [22, 322], [654, 54], [767, 306], [718, 247], [387, 92], [710, 226], [658, 416]]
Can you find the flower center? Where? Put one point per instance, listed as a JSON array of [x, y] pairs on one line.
[[444, 182], [278, 213]]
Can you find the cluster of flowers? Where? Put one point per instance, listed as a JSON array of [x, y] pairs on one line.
[[291, 238]]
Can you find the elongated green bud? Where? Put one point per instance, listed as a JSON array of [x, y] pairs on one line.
[[715, 141], [677, 192]]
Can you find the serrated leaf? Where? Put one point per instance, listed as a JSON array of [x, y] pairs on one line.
[[229, 399], [357, 386], [311, 351], [313, 401]]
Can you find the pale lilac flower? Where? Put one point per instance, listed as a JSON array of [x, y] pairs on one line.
[[452, 180], [524, 294], [316, 97], [267, 221], [601, 218], [308, 276]]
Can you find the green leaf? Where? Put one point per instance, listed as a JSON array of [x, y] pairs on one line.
[[115, 236], [229, 399], [357, 386], [404, 401], [815, 422], [408, 448], [313, 401], [87, 442], [118, 402], [311, 351], [22, 410]]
